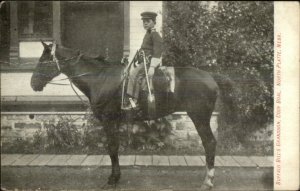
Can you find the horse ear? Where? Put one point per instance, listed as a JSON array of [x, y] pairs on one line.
[[44, 44]]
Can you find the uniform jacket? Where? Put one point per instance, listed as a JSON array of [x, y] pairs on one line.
[[152, 44]]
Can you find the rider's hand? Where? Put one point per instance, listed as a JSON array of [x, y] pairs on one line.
[[155, 62], [151, 72]]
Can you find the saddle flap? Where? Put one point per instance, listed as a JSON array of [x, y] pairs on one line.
[[168, 77]]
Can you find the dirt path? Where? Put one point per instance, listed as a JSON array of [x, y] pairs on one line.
[[135, 178]]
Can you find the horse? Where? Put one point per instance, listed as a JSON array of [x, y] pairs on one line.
[[196, 92]]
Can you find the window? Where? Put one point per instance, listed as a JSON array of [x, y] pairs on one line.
[[29, 22], [34, 23], [30, 52], [35, 20]]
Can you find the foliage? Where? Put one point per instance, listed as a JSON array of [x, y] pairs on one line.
[[64, 135], [139, 136], [231, 38], [18, 145], [150, 136]]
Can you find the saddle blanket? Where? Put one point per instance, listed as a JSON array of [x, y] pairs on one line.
[[168, 79], [169, 73]]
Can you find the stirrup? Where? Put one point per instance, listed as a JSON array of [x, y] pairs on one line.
[[130, 106], [133, 104]]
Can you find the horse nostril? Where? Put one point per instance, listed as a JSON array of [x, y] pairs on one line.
[[35, 86]]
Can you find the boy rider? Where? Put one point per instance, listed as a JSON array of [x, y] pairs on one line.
[[152, 46]]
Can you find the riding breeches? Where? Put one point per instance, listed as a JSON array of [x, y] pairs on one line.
[[135, 81]]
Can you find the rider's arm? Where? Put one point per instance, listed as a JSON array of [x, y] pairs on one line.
[[157, 49]]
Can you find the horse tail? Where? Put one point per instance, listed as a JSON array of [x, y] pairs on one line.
[[228, 95]]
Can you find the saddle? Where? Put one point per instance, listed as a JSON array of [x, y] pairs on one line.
[[163, 79], [163, 82], [163, 91]]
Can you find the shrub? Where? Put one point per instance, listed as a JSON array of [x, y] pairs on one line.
[[150, 136], [138, 136], [234, 39], [64, 135]]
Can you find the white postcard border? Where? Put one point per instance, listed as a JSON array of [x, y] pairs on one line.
[[286, 95]]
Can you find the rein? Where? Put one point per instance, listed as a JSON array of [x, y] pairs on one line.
[[56, 61], [68, 78]]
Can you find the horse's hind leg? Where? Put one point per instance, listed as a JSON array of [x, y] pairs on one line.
[[202, 124]]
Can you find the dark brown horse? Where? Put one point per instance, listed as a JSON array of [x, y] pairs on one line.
[[196, 92]]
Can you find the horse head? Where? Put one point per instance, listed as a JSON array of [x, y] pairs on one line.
[[46, 69], [53, 60]]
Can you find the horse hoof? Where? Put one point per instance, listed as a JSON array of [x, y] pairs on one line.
[[112, 182], [205, 187], [114, 179], [108, 186]]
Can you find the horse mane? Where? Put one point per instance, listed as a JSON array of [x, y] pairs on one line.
[[100, 58], [94, 60], [97, 62]]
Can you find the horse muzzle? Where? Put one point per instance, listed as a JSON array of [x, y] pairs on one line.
[[36, 84], [36, 87]]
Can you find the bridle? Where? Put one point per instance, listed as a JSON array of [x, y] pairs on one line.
[[56, 61], [59, 68], [53, 51]]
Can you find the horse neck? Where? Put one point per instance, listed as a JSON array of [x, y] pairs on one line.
[[89, 74], [82, 76]]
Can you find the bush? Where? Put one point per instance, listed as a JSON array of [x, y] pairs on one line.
[[150, 136], [234, 39], [137, 136], [65, 136]]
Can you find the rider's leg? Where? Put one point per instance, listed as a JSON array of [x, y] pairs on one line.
[[133, 87]]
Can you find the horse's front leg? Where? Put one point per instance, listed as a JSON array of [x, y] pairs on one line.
[[111, 130]]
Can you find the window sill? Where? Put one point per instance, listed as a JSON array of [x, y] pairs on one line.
[[17, 68], [42, 103], [23, 65]]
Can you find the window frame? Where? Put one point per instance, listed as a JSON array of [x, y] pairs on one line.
[[15, 64]]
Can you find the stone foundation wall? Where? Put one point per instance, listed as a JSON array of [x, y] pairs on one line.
[[23, 125]]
